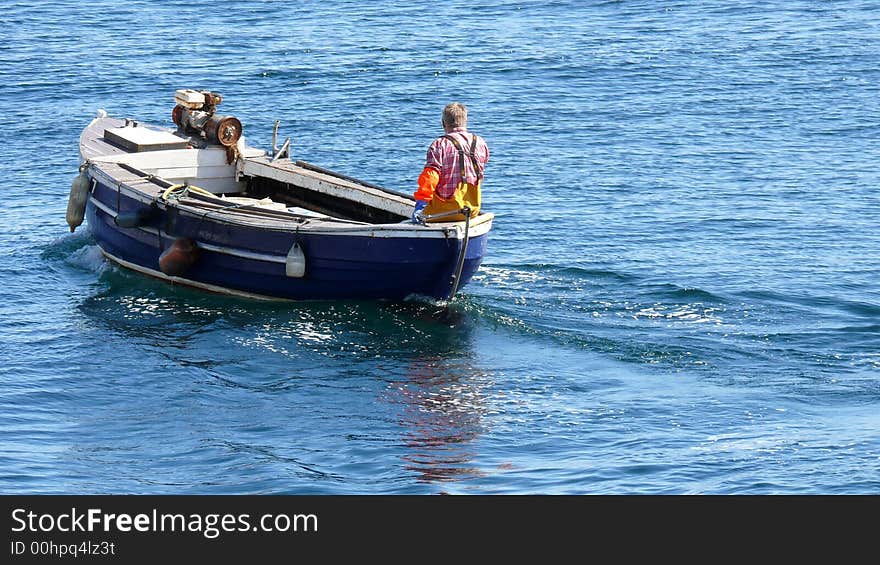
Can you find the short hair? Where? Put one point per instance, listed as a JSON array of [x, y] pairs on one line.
[[455, 115]]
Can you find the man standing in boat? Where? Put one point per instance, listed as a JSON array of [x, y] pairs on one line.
[[453, 172]]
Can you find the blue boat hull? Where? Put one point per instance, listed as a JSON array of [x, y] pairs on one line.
[[250, 261]]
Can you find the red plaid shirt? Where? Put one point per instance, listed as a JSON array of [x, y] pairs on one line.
[[443, 157]]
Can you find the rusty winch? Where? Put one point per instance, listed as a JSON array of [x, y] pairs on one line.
[[194, 115]]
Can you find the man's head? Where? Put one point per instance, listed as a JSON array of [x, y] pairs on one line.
[[454, 116]]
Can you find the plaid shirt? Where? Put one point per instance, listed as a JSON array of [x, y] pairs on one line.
[[443, 157]]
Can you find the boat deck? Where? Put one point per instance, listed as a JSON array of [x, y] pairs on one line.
[[92, 142]]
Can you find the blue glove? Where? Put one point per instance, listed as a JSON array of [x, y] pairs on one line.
[[418, 215]]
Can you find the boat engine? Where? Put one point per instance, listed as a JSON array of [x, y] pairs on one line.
[[194, 115]]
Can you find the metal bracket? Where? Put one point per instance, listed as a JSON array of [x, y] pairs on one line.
[[284, 151], [447, 214]]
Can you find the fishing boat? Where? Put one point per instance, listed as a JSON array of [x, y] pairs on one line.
[[196, 205]]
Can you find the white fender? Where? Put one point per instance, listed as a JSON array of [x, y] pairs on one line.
[[295, 265]]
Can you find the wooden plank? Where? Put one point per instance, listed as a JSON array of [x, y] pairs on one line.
[[91, 141]]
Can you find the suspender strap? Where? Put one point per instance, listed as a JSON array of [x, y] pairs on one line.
[[474, 159], [460, 154], [471, 154]]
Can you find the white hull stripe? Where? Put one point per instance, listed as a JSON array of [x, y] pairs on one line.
[[192, 283]]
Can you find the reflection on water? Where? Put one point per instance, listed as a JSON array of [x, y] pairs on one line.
[[443, 407], [417, 357]]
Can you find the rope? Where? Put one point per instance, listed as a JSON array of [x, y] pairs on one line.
[[185, 189], [464, 245]]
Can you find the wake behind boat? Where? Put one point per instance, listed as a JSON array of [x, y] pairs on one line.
[[197, 206]]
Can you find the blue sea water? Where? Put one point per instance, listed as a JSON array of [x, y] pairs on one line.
[[680, 296]]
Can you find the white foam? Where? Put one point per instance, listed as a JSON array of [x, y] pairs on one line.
[[89, 258]]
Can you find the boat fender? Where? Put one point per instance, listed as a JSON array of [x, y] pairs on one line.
[[134, 218], [295, 265], [178, 258], [76, 203]]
